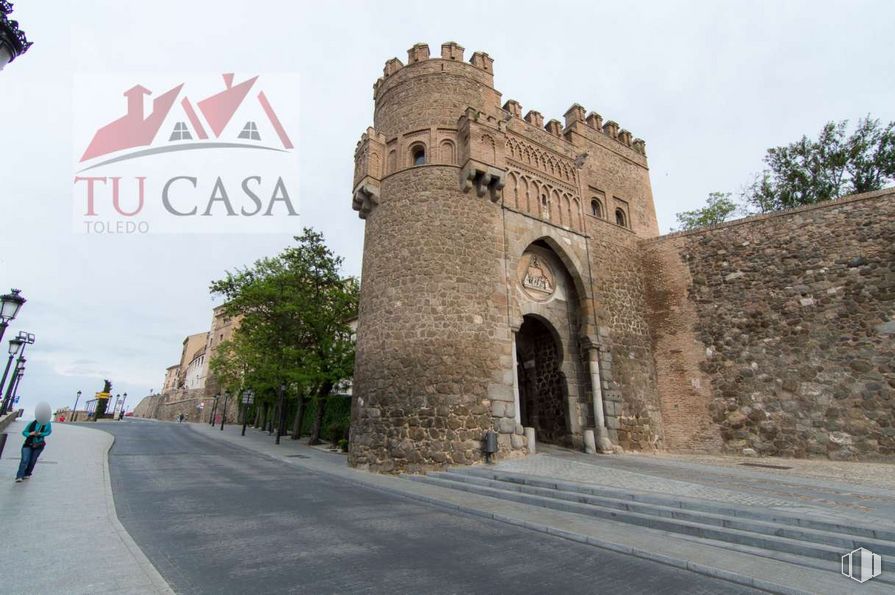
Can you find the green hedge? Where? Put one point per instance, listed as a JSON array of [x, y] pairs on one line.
[[338, 411]]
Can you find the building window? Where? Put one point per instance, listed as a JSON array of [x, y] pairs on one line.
[[419, 155], [250, 131], [181, 132], [596, 209], [620, 218]]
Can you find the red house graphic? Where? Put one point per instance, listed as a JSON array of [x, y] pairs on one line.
[[135, 129]]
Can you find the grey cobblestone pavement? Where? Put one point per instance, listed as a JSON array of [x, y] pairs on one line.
[[216, 518], [78, 545], [711, 559], [707, 479]]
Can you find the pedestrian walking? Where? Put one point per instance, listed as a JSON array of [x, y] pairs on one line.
[[35, 434], [180, 418]]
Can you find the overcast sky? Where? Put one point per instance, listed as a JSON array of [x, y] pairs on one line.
[[709, 86]]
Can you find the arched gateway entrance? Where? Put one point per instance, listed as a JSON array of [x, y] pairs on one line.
[[543, 391]]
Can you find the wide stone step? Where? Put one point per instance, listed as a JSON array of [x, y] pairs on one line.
[[844, 541], [769, 542], [882, 533]]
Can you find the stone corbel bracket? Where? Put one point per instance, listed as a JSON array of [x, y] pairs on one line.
[[366, 196], [482, 145], [485, 179], [368, 171]]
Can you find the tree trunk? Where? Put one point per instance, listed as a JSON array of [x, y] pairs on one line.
[[299, 418], [320, 412]]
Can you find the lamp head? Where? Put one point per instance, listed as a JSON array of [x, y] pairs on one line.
[[10, 304]]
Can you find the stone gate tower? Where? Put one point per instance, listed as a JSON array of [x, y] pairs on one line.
[[499, 288]]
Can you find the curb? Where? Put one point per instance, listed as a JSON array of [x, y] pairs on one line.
[[681, 563], [160, 585]]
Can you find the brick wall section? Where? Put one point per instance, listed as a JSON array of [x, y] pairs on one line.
[[791, 320]]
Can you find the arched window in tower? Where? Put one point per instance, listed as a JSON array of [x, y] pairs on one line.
[[596, 208], [447, 152], [392, 163], [620, 218], [418, 155]]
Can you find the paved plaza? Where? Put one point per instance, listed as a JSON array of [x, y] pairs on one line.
[[200, 510], [61, 531], [862, 492], [217, 518]]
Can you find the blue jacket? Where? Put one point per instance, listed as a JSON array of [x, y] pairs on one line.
[[42, 430]]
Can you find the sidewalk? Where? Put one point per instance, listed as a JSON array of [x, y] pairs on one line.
[[702, 480], [860, 492], [61, 533]]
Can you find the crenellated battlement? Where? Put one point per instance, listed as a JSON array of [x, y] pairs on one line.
[[451, 51], [575, 116]]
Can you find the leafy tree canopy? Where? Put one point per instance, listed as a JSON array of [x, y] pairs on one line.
[[294, 314], [719, 207], [834, 164]]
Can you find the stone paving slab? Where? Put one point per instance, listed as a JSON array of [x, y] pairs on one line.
[[78, 545], [707, 478], [864, 473], [763, 572]]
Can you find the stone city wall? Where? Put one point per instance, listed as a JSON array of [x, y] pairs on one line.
[[776, 333], [168, 406]]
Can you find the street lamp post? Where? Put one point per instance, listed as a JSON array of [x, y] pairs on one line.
[[18, 379], [12, 301], [247, 398], [25, 339], [214, 409], [223, 409], [75, 408], [14, 346], [13, 42]]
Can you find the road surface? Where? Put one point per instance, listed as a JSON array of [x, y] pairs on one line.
[[215, 518]]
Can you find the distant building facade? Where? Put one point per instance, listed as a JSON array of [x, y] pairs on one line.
[[190, 384]]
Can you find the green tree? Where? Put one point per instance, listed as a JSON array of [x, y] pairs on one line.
[[294, 331], [719, 207], [833, 165]]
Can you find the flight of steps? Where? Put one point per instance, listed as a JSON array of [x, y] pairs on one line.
[[799, 538]]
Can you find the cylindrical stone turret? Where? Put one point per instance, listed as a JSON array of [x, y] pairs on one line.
[[433, 309]]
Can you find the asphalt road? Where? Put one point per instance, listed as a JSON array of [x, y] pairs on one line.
[[215, 518]]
